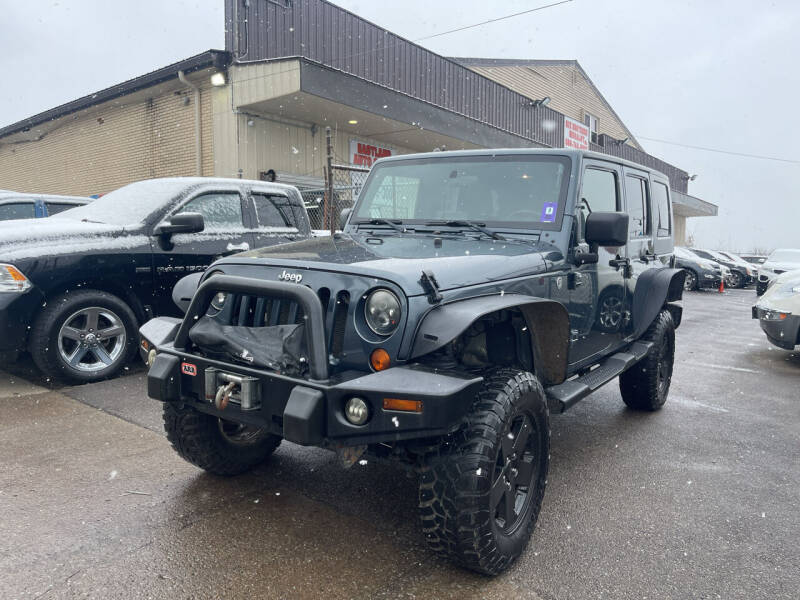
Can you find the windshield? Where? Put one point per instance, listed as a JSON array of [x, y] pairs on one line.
[[790, 256], [129, 205], [513, 191]]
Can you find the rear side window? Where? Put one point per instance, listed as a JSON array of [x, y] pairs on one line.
[[273, 211], [53, 208], [220, 210], [16, 210], [661, 209], [636, 196]]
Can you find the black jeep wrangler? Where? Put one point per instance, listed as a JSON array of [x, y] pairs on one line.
[[470, 295]]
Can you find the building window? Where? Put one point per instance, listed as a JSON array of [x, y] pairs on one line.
[[591, 122]]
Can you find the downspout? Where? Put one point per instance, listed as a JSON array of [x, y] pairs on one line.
[[198, 143]]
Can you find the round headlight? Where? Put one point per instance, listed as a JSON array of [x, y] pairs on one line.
[[382, 312]]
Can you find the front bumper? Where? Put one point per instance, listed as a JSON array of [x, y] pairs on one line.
[[783, 333], [709, 279], [312, 413], [16, 315], [308, 411]]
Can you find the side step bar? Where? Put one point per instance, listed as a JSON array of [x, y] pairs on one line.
[[564, 395]]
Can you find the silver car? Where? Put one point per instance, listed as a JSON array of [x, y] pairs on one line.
[[780, 261]]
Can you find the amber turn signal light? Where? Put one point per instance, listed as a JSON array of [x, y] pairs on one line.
[[402, 405], [379, 359]]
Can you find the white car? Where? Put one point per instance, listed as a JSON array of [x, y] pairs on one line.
[[778, 310], [780, 261]]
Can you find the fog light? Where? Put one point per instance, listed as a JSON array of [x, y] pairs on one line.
[[151, 357], [356, 411]]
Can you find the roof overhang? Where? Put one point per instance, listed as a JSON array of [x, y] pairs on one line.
[[685, 205], [301, 90], [36, 126]]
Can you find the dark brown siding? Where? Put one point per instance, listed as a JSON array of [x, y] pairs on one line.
[[334, 37]]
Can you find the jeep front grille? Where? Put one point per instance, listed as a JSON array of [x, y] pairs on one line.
[[255, 311]]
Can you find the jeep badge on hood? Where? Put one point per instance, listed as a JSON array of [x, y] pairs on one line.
[[293, 277]]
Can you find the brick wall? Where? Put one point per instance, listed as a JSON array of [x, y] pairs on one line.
[[111, 145]]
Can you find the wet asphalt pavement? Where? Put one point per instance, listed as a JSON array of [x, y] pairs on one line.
[[699, 500]]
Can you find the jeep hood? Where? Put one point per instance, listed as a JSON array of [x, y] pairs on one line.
[[33, 238], [458, 261]]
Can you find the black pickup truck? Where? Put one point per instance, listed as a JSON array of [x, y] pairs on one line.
[[74, 288]]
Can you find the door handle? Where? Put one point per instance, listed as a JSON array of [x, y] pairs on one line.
[[243, 246]]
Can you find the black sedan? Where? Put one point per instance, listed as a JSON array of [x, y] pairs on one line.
[[700, 272]]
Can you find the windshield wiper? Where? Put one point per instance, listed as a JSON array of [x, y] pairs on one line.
[[479, 227], [396, 224]]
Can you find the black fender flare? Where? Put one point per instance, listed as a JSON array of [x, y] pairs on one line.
[[656, 288], [547, 320]]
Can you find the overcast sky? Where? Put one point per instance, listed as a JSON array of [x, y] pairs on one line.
[[713, 73]]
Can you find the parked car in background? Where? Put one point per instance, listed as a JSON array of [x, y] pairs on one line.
[[738, 276], [753, 259], [778, 310], [75, 287], [15, 205], [740, 263], [780, 261], [700, 272]]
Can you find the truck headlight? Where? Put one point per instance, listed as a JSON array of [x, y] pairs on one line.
[[382, 312], [12, 279]]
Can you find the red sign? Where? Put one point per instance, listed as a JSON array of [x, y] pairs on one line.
[[189, 369], [576, 135], [363, 154]]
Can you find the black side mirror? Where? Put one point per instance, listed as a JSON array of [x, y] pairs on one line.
[[607, 229], [180, 223], [343, 216]]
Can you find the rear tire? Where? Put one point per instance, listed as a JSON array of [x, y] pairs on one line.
[[645, 386], [215, 445], [480, 493], [84, 336]]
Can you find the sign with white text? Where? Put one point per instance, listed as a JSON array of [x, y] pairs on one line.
[[576, 134], [363, 154]]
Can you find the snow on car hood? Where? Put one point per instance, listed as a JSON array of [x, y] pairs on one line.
[[30, 238], [456, 261]]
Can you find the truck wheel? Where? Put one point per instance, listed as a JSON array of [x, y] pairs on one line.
[[645, 386], [736, 280], [481, 491], [215, 445], [84, 336]]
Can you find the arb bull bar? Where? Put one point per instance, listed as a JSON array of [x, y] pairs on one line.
[[306, 411]]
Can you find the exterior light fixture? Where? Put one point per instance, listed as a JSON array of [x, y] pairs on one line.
[[353, 122], [218, 79], [542, 102]]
